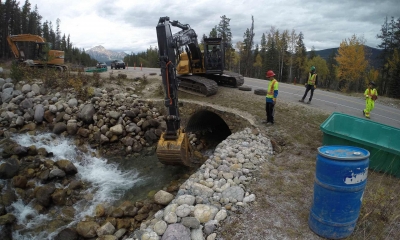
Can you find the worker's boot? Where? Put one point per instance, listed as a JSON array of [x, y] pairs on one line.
[[301, 100], [308, 102]]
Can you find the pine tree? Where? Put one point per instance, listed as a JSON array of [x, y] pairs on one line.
[[248, 42], [226, 35]]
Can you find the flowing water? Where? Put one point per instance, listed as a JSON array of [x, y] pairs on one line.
[[111, 180]]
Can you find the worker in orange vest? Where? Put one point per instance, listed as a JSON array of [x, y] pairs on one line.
[[272, 94], [370, 96]]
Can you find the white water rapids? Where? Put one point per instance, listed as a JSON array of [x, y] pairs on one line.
[[108, 183]]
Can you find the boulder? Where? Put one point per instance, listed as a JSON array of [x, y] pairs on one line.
[[9, 168], [176, 231], [87, 113], [163, 197], [67, 166], [67, 234], [87, 229], [43, 194], [39, 113], [59, 128]]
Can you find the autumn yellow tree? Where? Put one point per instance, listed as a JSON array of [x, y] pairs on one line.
[[351, 63]]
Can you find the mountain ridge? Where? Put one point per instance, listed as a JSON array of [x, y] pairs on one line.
[[101, 54]]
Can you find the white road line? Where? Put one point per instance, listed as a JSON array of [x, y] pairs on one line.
[[357, 109]]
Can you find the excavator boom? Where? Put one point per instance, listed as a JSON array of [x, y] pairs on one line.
[[42, 57], [173, 146]]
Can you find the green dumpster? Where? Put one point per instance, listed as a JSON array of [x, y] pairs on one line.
[[382, 141]]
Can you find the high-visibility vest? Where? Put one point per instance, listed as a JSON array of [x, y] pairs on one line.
[[311, 78], [271, 88], [371, 92]]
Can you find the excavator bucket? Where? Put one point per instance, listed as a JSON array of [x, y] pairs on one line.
[[174, 152]]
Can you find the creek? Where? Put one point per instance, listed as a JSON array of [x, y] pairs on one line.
[[109, 181]]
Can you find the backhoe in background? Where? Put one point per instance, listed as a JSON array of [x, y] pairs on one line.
[[42, 55]]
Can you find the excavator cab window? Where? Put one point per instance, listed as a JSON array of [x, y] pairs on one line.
[[213, 57]]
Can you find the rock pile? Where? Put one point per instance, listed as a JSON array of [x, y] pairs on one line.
[[108, 117], [206, 198]]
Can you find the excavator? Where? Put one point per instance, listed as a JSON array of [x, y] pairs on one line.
[[200, 72], [42, 55]]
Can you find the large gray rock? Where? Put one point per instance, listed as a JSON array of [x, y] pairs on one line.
[[87, 113], [72, 127], [176, 231], [36, 89], [7, 95], [117, 129], [7, 85], [26, 88], [106, 229], [39, 113], [73, 102], [234, 192], [163, 197], [26, 103]]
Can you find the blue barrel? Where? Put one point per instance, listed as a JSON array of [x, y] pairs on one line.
[[340, 179]]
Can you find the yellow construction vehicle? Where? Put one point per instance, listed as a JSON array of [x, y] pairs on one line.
[[200, 72], [43, 56]]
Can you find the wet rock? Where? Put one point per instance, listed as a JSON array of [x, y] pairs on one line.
[[59, 128], [67, 234], [117, 213], [100, 210], [121, 232], [87, 229], [56, 173], [59, 197], [9, 168], [43, 194], [176, 231], [106, 229], [8, 197], [72, 127], [83, 132], [67, 166], [125, 223], [190, 222], [19, 181], [7, 219], [44, 175]]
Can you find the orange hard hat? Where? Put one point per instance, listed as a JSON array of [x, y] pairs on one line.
[[270, 73]]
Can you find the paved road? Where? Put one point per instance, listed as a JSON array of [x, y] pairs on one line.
[[332, 102], [322, 99]]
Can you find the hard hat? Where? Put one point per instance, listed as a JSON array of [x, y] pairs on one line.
[[372, 83], [270, 73], [312, 68]]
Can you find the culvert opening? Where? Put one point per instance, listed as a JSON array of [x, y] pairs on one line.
[[209, 127]]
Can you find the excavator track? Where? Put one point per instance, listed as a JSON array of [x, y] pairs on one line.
[[228, 78], [197, 85]]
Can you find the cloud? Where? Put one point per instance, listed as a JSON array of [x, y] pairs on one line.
[[130, 25]]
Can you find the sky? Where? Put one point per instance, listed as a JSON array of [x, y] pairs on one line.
[[130, 26]]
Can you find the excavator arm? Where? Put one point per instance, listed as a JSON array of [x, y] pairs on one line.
[[12, 39], [173, 147]]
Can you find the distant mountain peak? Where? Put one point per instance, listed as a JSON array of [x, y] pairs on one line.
[[101, 54]]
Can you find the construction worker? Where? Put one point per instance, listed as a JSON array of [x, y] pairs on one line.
[[311, 84], [370, 96], [272, 94]]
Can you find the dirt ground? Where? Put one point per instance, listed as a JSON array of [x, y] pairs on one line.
[[284, 186]]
